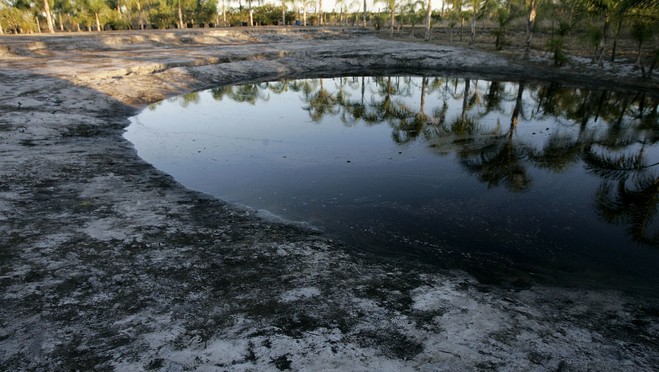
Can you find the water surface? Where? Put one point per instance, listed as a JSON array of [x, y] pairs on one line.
[[514, 182]]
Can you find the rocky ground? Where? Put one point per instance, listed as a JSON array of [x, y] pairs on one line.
[[107, 263]]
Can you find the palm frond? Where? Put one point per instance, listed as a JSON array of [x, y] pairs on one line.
[[633, 205], [613, 168]]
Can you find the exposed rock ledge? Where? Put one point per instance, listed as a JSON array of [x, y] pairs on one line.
[[106, 263]]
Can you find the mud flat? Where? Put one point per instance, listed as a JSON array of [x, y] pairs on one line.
[[107, 263]]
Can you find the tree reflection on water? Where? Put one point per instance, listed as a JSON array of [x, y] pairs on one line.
[[608, 132]]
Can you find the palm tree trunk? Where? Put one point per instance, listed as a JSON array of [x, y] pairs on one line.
[[462, 23], [615, 39], [428, 20], [49, 16], [518, 107], [624, 106], [364, 13], [603, 40], [586, 109], [392, 19], [602, 99], [652, 65], [363, 90], [465, 100], [140, 15], [473, 26], [180, 15], [530, 23], [422, 105], [320, 11], [98, 23]]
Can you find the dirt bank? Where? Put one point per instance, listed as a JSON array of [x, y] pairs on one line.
[[107, 263]]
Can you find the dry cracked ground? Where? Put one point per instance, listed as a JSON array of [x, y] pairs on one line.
[[106, 263]]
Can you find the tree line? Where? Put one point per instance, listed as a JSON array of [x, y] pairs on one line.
[[600, 22]]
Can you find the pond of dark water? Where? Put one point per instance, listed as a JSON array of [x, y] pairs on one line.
[[515, 182]]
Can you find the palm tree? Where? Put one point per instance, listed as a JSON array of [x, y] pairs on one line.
[[496, 159], [60, 8], [251, 13], [248, 93], [475, 10], [428, 20], [181, 25], [496, 94], [634, 201], [497, 162], [387, 108], [629, 190], [408, 128], [303, 5], [354, 110], [560, 153], [96, 7], [634, 205], [341, 5], [49, 16], [139, 6], [278, 87], [320, 103], [504, 16], [283, 12], [465, 124], [18, 18], [189, 98], [409, 9], [391, 4], [532, 7], [607, 9], [640, 9], [219, 93], [641, 31], [518, 106], [453, 18], [563, 149], [456, 10]]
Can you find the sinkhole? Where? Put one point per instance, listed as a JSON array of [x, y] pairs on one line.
[[516, 182]]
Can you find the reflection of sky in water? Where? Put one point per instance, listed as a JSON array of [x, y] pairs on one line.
[[461, 188]]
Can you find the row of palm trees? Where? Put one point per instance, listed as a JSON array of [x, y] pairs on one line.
[[27, 16], [601, 22], [608, 133]]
